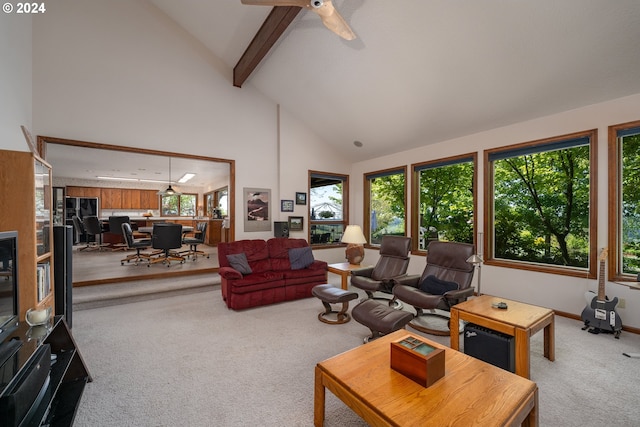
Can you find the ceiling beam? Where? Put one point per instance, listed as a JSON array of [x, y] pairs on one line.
[[268, 34]]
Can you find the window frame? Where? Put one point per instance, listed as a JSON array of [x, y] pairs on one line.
[[367, 199], [614, 270], [415, 194], [591, 271], [345, 207], [163, 214]]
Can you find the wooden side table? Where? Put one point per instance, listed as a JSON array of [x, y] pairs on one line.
[[343, 269], [519, 320]]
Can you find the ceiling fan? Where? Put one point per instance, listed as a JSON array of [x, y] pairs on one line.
[[324, 8]]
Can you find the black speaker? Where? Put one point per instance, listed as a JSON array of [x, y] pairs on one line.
[[490, 346], [63, 270], [281, 229]]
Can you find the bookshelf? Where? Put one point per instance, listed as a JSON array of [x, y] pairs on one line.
[[25, 186]]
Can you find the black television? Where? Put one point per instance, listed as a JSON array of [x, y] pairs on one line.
[[8, 283]]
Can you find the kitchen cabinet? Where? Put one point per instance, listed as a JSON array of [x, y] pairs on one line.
[[214, 232], [74, 191], [149, 199], [131, 199], [111, 198]]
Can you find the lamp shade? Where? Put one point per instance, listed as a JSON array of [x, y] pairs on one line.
[[353, 234], [355, 238]]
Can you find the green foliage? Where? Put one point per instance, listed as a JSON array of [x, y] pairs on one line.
[[631, 204], [541, 206], [387, 205], [446, 201]]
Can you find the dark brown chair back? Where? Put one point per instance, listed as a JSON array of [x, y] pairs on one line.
[[448, 261], [394, 257]]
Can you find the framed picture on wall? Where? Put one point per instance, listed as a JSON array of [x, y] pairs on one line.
[[286, 205], [301, 198], [296, 223], [257, 209]]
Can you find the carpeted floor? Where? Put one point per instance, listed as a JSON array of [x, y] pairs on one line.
[[187, 360]]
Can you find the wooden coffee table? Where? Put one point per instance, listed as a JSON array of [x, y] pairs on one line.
[[343, 269], [471, 393], [519, 320]]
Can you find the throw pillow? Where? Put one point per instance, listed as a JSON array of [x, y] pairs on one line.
[[434, 286], [239, 262], [300, 258]]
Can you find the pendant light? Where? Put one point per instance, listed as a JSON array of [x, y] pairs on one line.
[[169, 191]]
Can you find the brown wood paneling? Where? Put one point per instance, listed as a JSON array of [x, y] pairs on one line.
[[149, 199], [74, 191], [111, 198]]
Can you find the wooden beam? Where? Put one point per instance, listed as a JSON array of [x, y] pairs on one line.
[[268, 34]]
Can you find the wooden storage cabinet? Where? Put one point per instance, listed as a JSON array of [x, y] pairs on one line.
[[149, 199], [67, 378], [110, 198], [73, 191], [25, 185]]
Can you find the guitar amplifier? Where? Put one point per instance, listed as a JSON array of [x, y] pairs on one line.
[[490, 346]]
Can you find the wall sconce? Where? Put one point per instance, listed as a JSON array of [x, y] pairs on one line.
[[355, 240]]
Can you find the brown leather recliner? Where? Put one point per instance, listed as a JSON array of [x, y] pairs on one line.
[[445, 281], [392, 264]]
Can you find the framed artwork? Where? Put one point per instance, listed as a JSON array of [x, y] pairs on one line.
[[286, 205], [296, 223], [257, 203], [301, 198]]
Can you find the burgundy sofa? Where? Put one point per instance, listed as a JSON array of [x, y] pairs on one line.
[[272, 278]]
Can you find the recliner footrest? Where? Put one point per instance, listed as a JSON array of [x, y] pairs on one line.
[[329, 294], [380, 318]]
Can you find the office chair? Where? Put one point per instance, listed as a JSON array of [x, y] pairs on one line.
[[166, 237], [79, 231], [393, 263], [199, 235], [115, 227], [137, 244], [445, 282], [93, 228]]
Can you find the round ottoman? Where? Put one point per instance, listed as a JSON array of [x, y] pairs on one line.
[[329, 294]]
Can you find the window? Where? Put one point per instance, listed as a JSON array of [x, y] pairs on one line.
[[444, 200], [624, 201], [179, 205], [540, 205], [385, 203], [221, 199], [328, 212]]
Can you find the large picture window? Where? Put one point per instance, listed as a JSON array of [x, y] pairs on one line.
[[328, 201], [624, 201], [541, 204], [385, 204], [444, 200]]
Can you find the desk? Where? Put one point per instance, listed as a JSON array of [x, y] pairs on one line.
[[343, 269], [519, 320], [471, 393]]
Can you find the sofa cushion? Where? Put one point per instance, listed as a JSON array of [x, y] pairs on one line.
[[434, 286], [239, 262], [279, 251], [300, 258], [255, 250]]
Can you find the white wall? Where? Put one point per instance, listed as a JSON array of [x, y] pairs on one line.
[[15, 80], [558, 292], [120, 72]]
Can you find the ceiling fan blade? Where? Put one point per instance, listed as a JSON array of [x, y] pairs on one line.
[[324, 8], [299, 3], [333, 20]]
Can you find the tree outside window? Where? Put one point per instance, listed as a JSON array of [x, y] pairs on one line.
[[540, 196], [624, 182], [445, 200], [385, 210], [179, 205]]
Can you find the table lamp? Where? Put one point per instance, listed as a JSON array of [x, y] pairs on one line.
[[355, 240]]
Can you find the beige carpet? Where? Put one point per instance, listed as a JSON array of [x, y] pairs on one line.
[[187, 360]]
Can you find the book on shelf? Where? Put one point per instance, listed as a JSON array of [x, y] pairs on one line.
[[43, 280]]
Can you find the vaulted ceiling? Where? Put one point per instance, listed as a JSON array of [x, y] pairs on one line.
[[424, 71]]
